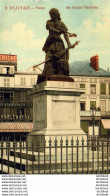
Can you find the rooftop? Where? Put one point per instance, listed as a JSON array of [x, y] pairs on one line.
[[84, 68], [16, 127], [26, 73]]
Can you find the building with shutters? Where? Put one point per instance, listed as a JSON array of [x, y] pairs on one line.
[[96, 82], [16, 107]]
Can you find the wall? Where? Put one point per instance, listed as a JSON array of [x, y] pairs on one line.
[[87, 97]]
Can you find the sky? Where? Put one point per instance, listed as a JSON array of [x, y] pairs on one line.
[[23, 31]]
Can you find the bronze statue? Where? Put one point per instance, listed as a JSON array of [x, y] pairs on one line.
[[57, 55]]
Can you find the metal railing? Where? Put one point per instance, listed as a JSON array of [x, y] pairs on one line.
[[55, 155], [105, 113], [9, 117], [88, 113]]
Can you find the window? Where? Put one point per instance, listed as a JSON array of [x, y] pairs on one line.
[[108, 105], [92, 88], [33, 81], [23, 81], [82, 85], [102, 88], [1, 96], [11, 70], [6, 82], [6, 96], [21, 112], [109, 88], [11, 96], [23, 96], [96, 123], [103, 105], [82, 106], [8, 70], [1, 70], [92, 103]]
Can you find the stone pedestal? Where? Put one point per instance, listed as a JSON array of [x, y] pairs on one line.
[[56, 111]]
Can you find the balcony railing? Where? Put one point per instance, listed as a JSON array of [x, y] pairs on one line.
[[90, 96], [88, 113], [98, 113], [105, 113], [16, 104], [104, 96], [95, 96], [15, 117]]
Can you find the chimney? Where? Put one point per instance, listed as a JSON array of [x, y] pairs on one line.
[[95, 62]]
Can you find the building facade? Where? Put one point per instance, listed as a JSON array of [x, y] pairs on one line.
[[16, 107], [96, 82]]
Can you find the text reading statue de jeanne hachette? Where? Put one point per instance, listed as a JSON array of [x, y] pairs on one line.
[[57, 55]]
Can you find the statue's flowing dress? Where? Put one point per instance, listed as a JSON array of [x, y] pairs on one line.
[[55, 50]]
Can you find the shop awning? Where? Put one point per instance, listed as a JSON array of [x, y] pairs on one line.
[[106, 123], [16, 127]]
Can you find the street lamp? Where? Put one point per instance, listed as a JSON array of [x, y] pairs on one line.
[[93, 112]]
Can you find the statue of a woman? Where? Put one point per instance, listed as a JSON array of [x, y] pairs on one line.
[[57, 55]]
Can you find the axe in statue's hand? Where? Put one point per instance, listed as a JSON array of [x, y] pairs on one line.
[[57, 55]]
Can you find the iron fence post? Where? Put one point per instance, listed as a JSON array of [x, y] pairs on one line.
[[14, 146], [97, 155], [93, 155], [77, 145], [20, 142], [2, 155], [55, 155], [102, 158], [66, 155], [72, 143], [61, 144], [44, 145], [8, 152], [107, 155], [33, 159], [82, 155], [50, 142], [26, 156], [88, 145]]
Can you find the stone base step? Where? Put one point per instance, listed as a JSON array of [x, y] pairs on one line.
[[35, 166], [9, 170], [57, 171], [70, 171], [15, 162]]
